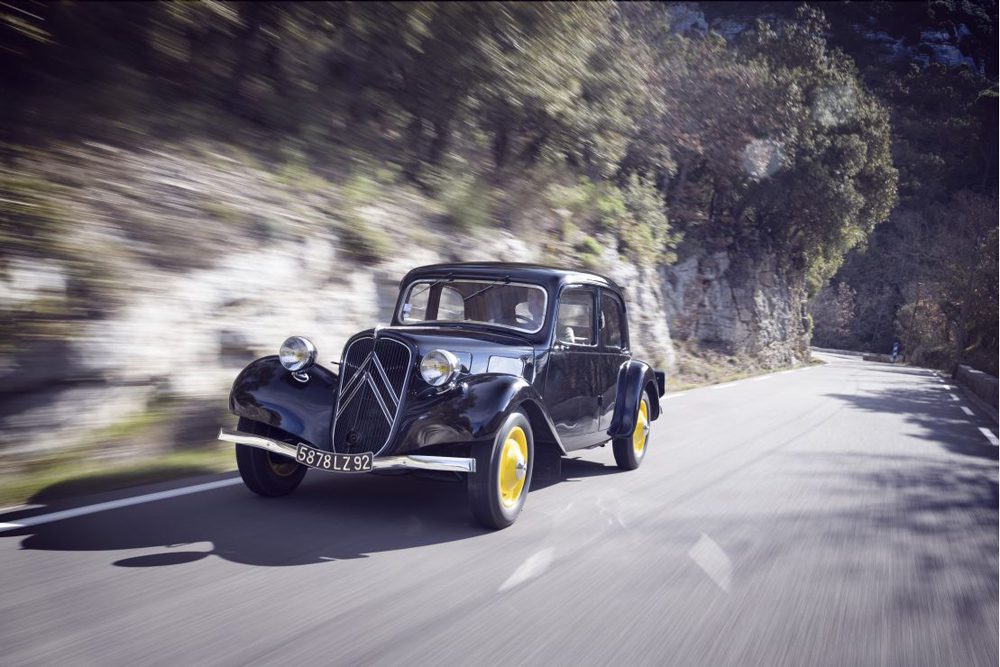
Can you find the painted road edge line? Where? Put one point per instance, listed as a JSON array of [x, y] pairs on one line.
[[989, 435], [40, 519], [968, 411]]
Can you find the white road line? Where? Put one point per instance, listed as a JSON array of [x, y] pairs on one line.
[[678, 395], [989, 435], [115, 504], [723, 385], [968, 411], [762, 377], [953, 397]]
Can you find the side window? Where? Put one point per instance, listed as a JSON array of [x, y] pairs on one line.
[[611, 321], [452, 305], [575, 323]]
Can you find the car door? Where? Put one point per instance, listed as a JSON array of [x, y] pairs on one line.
[[571, 379], [613, 353]]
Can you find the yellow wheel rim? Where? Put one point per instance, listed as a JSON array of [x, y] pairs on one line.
[[641, 432], [282, 466], [513, 466]]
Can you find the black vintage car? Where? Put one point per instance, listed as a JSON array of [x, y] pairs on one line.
[[490, 370]]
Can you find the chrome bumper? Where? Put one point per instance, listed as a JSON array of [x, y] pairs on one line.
[[412, 462]]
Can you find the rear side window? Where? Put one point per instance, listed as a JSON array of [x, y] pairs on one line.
[[575, 323], [612, 321]]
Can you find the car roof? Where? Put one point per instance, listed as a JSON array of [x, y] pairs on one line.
[[549, 276]]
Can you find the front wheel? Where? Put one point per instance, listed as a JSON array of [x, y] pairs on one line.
[[499, 486], [264, 473], [631, 450]]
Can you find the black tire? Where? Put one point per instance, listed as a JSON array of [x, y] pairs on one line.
[[492, 506], [627, 455], [264, 473]]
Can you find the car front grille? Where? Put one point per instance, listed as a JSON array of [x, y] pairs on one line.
[[374, 375]]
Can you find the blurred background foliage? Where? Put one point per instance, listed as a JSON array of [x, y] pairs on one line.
[[154, 134], [595, 95], [796, 136]]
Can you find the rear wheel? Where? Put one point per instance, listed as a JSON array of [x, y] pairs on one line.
[[498, 488], [265, 473], [631, 450]]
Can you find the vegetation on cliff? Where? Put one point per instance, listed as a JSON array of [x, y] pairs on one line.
[[770, 142], [607, 128]]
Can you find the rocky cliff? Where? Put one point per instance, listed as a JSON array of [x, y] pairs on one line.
[[738, 305], [174, 268], [158, 273]]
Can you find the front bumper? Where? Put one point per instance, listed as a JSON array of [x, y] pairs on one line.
[[411, 462]]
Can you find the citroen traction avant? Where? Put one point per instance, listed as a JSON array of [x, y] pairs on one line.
[[491, 371]]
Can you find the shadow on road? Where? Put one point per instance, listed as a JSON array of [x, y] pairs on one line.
[[929, 408], [329, 518], [574, 470]]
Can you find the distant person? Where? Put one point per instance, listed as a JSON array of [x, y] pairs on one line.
[[895, 351]]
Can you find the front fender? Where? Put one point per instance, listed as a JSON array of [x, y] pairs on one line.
[[472, 411], [634, 377], [266, 392]]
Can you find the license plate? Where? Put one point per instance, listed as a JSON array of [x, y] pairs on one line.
[[315, 458]]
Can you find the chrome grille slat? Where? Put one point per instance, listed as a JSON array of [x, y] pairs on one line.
[[373, 381]]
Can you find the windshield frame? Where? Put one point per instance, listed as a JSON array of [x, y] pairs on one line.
[[407, 292]]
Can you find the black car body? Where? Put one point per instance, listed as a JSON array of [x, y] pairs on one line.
[[549, 346]]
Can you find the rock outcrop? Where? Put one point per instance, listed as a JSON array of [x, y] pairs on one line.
[[739, 306], [223, 264]]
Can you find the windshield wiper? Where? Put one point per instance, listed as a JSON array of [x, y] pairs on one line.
[[503, 281], [431, 286]]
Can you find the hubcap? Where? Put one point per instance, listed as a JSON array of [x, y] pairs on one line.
[[282, 466], [641, 433], [513, 466]]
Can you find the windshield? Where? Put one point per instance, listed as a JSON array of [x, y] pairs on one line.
[[513, 305]]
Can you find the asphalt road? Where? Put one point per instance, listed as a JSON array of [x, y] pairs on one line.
[[837, 515]]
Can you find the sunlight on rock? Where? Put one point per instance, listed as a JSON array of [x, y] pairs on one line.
[[762, 158], [28, 280]]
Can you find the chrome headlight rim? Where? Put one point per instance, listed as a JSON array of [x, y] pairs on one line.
[[439, 367], [297, 354]]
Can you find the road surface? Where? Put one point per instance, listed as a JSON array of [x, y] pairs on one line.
[[844, 514]]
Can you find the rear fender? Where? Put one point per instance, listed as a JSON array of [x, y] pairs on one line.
[[267, 393], [634, 378]]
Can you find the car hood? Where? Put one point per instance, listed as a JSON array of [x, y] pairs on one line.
[[480, 351]]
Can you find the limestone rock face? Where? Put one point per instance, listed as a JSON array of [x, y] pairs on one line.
[[739, 307], [194, 266], [649, 331]]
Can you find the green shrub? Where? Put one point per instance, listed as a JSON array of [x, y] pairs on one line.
[[467, 202], [590, 246], [363, 240], [646, 232], [359, 190]]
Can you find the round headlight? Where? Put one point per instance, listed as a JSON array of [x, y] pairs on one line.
[[438, 367], [297, 354]]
